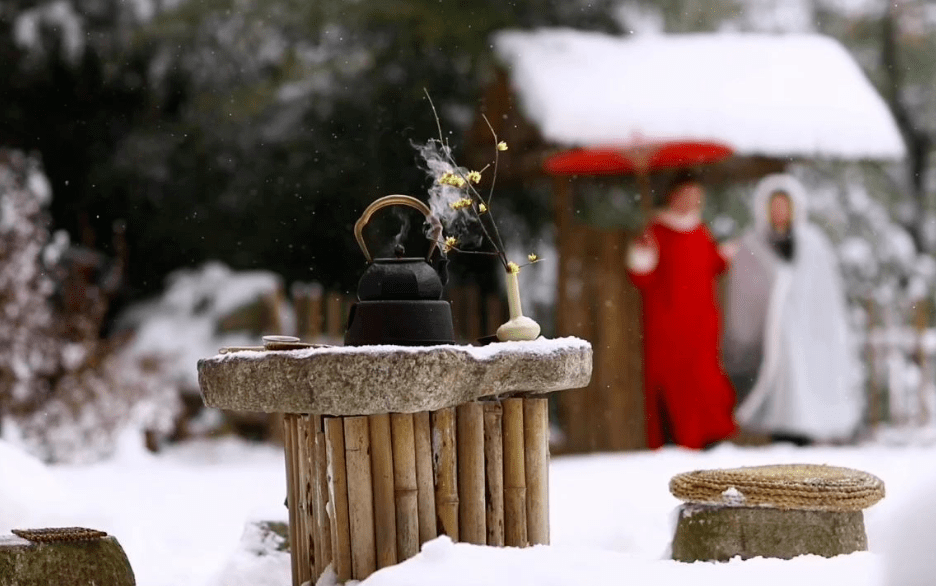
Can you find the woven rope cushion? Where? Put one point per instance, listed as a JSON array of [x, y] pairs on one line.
[[788, 486]]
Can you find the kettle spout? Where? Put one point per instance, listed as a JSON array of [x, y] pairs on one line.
[[435, 235]]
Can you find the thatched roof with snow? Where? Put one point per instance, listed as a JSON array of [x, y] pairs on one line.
[[798, 96]]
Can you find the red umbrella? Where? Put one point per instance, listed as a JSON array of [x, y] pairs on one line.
[[639, 158]]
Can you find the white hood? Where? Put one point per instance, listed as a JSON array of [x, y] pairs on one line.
[[761, 202]]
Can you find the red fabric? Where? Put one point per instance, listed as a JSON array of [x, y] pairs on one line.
[[683, 377]]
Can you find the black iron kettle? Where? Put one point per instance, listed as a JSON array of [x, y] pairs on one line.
[[399, 299]]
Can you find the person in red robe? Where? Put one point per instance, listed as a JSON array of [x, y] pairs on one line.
[[674, 263]]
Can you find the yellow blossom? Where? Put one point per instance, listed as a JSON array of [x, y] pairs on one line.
[[452, 179], [450, 243], [460, 203], [482, 208], [474, 177], [513, 268], [502, 146], [532, 257]]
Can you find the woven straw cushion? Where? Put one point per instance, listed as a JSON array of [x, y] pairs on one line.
[[788, 486], [59, 534]]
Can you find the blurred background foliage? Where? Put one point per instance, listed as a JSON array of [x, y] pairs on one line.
[[255, 132], [252, 132]]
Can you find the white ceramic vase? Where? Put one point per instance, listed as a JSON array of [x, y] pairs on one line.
[[519, 327]]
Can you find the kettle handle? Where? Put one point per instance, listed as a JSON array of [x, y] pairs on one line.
[[389, 200]]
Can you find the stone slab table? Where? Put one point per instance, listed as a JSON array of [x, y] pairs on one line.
[[389, 446], [779, 511]]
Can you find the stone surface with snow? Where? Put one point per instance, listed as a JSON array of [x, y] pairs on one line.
[[363, 380]]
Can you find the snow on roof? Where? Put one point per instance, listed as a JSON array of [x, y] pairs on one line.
[[798, 95]]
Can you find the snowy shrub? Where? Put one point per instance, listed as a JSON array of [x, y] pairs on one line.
[[67, 392]]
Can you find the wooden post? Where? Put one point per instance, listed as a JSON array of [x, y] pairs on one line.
[[515, 521], [874, 392], [273, 303], [495, 313], [573, 314], [922, 321], [360, 497], [338, 496], [460, 313], [384, 509], [612, 348], [594, 394], [473, 316], [633, 366], [309, 310], [290, 421], [536, 460], [404, 485], [494, 472], [425, 479], [446, 473], [323, 524], [334, 317], [470, 443]]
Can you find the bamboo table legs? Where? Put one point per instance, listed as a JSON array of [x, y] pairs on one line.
[[365, 492]]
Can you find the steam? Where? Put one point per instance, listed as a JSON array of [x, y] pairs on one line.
[[458, 223], [400, 238]]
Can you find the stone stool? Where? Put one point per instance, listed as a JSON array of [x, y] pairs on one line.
[[388, 447], [778, 511], [63, 555]]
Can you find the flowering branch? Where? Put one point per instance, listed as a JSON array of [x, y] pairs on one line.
[[472, 201]]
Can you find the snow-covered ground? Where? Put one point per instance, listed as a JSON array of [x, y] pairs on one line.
[[180, 516]]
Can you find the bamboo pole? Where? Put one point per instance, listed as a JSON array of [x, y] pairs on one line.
[[404, 485], [515, 521], [292, 491], [360, 497], [308, 502], [470, 449], [494, 472], [446, 473], [536, 460], [425, 480], [323, 525], [384, 509], [338, 496]]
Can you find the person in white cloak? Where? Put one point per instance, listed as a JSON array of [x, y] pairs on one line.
[[786, 343]]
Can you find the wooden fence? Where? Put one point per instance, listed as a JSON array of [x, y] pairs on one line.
[[900, 356], [598, 303]]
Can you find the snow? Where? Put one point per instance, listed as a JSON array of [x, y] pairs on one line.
[[58, 16], [181, 326], [541, 347], [182, 517], [799, 95]]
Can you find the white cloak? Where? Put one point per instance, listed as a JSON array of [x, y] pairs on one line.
[[791, 317]]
